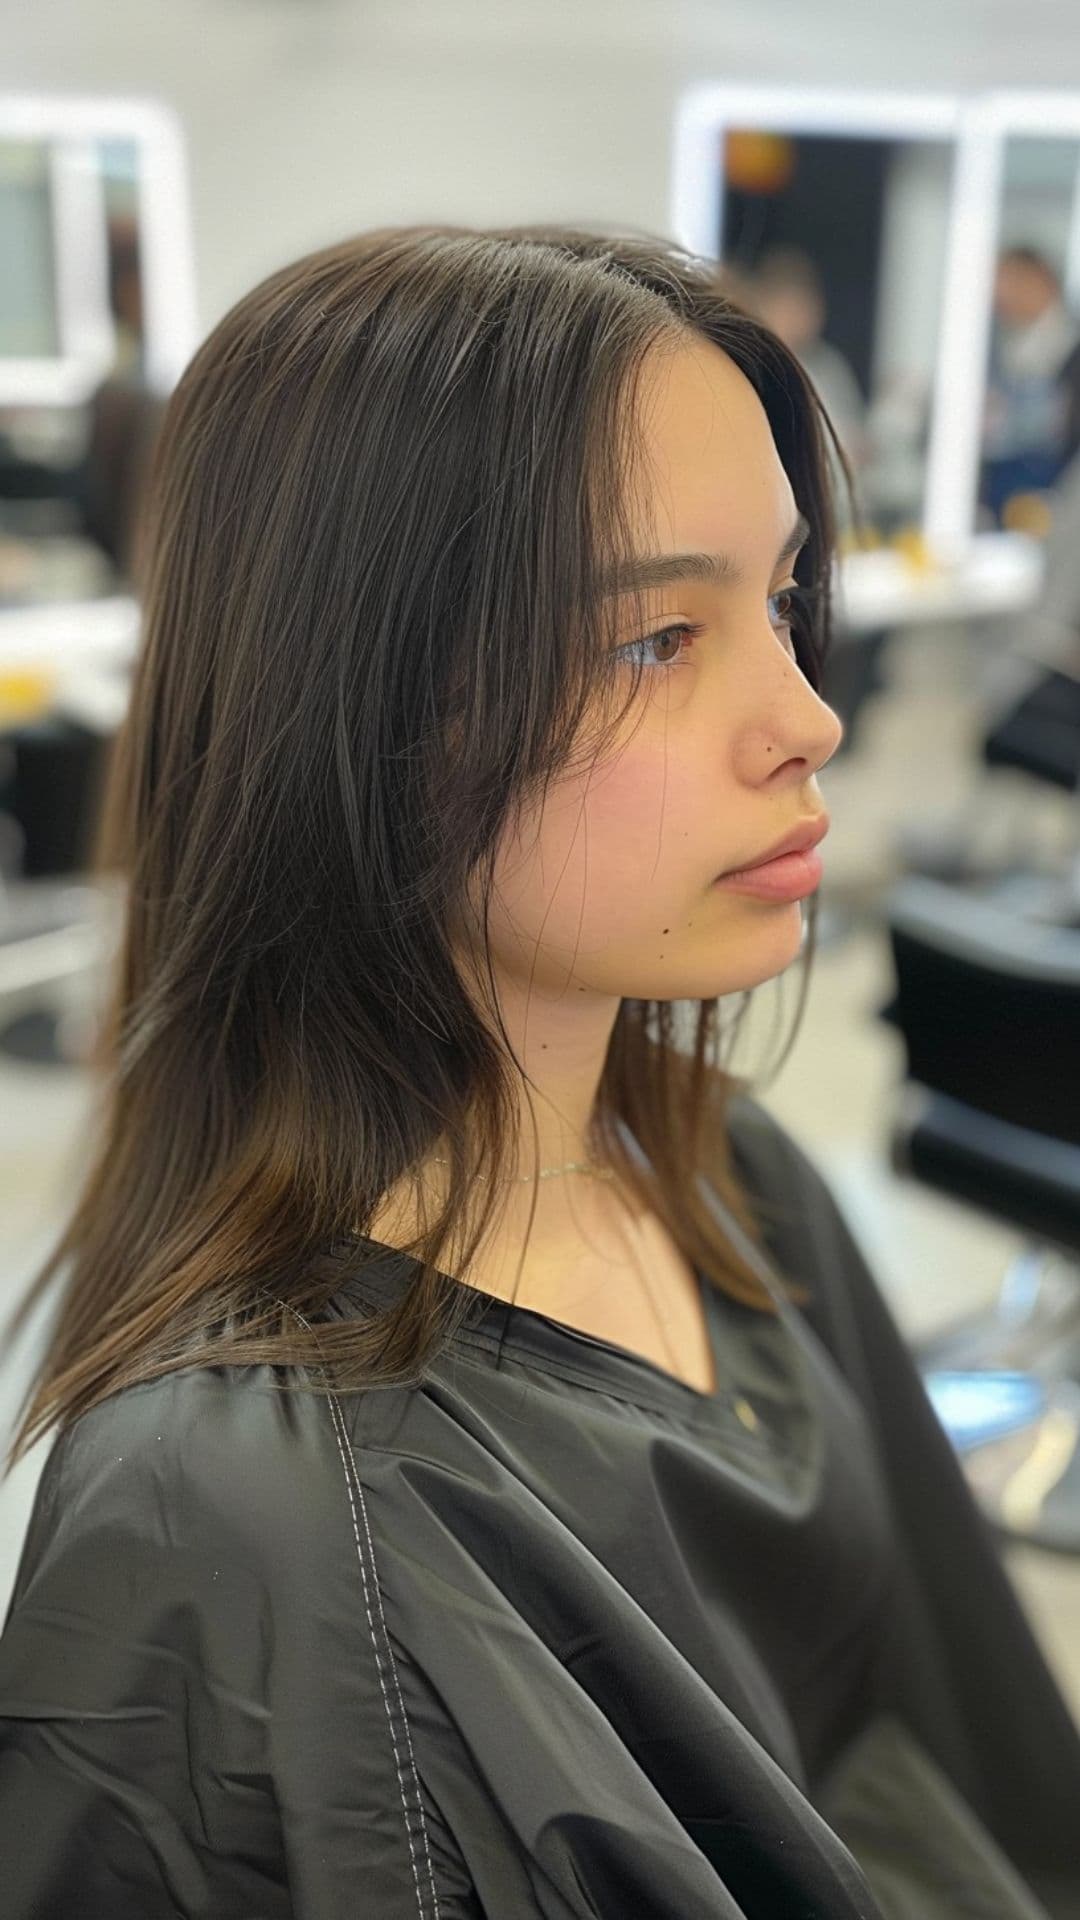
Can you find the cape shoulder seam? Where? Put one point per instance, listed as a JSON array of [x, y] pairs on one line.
[[428, 1909]]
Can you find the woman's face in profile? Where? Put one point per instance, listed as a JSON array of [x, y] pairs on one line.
[[609, 888]]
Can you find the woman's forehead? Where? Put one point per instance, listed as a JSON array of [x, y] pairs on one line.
[[709, 471]]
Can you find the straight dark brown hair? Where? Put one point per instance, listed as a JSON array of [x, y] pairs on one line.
[[385, 496]]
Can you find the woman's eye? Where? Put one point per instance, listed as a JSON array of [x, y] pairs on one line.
[[788, 599], [677, 639], [795, 613], [669, 646]]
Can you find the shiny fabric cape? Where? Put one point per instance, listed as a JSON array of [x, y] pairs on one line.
[[271, 1655]]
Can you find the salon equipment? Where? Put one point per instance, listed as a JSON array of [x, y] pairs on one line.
[[988, 1006]]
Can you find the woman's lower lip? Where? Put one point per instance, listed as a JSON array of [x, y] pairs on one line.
[[788, 878]]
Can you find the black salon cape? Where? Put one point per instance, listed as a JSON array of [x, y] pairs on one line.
[[556, 1637]]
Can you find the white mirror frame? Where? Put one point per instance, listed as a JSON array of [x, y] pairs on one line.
[[166, 250], [990, 121], [978, 125]]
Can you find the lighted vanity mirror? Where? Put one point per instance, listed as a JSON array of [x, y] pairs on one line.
[[829, 216], [1030, 431], [97, 321]]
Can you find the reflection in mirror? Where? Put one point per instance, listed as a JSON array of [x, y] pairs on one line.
[[1031, 417], [91, 340], [121, 212], [97, 320], [56, 335], [819, 233], [29, 322]]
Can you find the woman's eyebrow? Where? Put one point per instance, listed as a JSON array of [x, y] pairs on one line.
[[662, 569]]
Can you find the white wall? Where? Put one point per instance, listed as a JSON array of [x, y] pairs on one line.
[[309, 119]]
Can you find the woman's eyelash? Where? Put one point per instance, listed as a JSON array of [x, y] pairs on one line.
[[801, 597], [682, 628]]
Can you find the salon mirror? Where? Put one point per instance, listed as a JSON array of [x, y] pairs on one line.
[[97, 319], [837, 241], [1030, 432], [832, 215]]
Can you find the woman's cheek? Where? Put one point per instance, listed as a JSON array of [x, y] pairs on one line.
[[610, 840], [649, 805]]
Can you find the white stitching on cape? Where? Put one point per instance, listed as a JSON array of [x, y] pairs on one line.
[[347, 1457]]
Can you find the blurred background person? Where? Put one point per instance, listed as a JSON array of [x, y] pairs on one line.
[[1031, 427], [787, 293]]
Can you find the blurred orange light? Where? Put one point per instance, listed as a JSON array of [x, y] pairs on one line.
[[758, 162], [1029, 513]]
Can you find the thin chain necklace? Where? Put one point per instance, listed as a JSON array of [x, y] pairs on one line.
[[572, 1166], [598, 1173]]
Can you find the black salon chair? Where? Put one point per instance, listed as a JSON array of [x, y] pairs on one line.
[[56, 926], [1032, 726], [1039, 733], [988, 1006], [53, 930]]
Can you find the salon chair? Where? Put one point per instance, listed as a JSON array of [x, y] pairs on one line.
[[1032, 727], [1039, 733], [988, 1006], [53, 931], [57, 930]]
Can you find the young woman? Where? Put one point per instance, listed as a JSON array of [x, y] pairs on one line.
[[487, 1479]]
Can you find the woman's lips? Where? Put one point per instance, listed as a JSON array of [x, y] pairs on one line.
[[788, 878]]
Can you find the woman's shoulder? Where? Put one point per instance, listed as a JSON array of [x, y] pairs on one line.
[[192, 1669], [201, 1424], [204, 1462]]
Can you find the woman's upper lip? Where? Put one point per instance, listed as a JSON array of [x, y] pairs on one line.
[[805, 834]]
